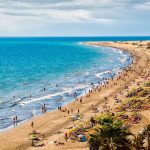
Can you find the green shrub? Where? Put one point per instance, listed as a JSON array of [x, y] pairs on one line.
[[143, 93], [147, 84], [134, 92]]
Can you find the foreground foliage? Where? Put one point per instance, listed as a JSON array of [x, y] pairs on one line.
[[111, 134]]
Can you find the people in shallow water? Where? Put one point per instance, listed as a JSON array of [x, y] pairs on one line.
[[43, 108], [59, 108], [15, 120], [75, 94]]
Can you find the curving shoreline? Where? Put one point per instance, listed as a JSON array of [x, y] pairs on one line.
[[86, 86], [47, 123]]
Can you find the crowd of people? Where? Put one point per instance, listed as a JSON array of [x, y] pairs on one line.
[[110, 83]]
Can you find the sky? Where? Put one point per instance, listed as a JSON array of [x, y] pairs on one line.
[[74, 17]]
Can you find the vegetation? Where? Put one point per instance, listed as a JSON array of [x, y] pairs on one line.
[[134, 92], [140, 45], [111, 131], [142, 140], [147, 84], [134, 43], [111, 134], [148, 46], [143, 93]]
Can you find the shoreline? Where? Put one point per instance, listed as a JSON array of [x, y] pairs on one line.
[[53, 120], [65, 105]]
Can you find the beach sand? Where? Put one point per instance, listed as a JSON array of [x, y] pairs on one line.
[[53, 125]]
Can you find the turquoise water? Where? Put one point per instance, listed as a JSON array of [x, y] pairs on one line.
[[60, 65]]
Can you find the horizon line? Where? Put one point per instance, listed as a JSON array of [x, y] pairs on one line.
[[72, 36]]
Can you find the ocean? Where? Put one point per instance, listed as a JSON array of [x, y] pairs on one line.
[[49, 70]]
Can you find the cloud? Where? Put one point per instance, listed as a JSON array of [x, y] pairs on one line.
[[48, 7], [28, 15], [57, 11], [143, 6]]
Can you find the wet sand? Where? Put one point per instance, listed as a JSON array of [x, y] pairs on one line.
[[53, 125]]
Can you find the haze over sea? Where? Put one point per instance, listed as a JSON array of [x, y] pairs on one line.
[[61, 65]]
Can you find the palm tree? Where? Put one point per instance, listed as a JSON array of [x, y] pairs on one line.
[[111, 135], [147, 133], [142, 139], [138, 142]]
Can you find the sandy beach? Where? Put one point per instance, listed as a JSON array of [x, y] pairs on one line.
[[53, 125]]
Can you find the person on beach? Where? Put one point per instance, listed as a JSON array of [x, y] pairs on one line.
[[68, 112], [92, 106], [32, 124], [66, 136], [81, 100]]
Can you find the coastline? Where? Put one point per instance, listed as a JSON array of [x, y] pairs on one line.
[[84, 88], [47, 123]]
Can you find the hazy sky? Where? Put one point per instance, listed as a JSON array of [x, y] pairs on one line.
[[74, 17]]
